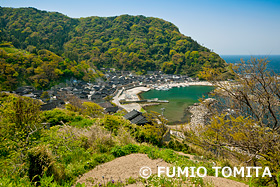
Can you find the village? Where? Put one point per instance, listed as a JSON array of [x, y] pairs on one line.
[[101, 91]]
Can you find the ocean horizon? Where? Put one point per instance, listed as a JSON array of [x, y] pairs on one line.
[[274, 60], [181, 98]]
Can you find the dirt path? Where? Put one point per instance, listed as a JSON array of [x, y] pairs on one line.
[[128, 166], [121, 169]]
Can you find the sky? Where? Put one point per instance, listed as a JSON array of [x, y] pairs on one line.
[[228, 27]]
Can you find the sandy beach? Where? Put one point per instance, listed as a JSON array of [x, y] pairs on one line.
[[130, 95], [182, 84]]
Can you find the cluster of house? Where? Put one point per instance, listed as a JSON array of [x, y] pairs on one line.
[[57, 95], [100, 90], [120, 78], [54, 101]]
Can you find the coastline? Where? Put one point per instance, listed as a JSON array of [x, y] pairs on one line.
[[133, 93]]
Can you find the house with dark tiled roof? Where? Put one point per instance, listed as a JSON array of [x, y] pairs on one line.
[[139, 120], [52, 105], [24, 90], [112, 109], [136, 117], [108, 107]]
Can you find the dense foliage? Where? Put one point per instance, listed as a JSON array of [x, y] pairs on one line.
[[124, 42], [41, 68], [57, 146], [245, 116]]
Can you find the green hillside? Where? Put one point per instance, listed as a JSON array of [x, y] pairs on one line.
[[124, 42], [41, 68]]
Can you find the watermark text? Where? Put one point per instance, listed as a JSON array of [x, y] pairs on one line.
[[146, 172]]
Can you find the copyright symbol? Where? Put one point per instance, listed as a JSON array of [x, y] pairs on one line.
[[145, 172]]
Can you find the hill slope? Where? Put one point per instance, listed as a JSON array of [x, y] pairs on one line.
[[124, 42], [41, 68]]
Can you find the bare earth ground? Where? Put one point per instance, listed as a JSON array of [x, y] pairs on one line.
[[121, 169], [124, 167]]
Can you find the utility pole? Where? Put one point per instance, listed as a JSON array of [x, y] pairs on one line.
[[162, 110]]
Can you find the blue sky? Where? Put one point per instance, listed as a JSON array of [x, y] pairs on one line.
[[249, 27]]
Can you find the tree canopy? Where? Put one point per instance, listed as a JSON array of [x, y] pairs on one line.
[[245, 116], [41, 68], [125, 42]]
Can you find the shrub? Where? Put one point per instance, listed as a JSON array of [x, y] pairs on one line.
[[55, 116], [177, 146], [92, 109], [82, 123], [41, 161], [102, 158], [171, 144], [97, 159], [124, 137], [113, 123], [119, 151], [100, 140], [149, 133]]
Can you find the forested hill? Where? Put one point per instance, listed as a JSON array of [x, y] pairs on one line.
[[41, 68], [124, 42]]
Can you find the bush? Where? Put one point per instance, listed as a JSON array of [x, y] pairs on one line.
[[102, 158], [41, 161], [97, 159], [119, 151], [171, 144], [16, 181], [177, 146], [83, 123], [100, 140], [113, 123], [150, 134], [55, 116], [92, 109], [124, 137]]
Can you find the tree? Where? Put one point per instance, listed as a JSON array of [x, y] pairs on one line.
[[19, 127], [246, 114], [168, 67], [102, 41], [21, 115], [92, 109]]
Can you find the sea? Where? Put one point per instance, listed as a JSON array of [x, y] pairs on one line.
[[274, 60], [179, 101], [176, 111]]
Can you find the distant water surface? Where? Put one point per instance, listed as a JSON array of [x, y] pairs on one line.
[[274, 63], [179, 100]]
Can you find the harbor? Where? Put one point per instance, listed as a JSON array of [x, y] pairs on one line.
[[153, 98]]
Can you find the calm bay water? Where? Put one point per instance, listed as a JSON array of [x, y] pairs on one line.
[[179, 100]]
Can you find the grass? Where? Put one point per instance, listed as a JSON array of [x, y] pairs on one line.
[[85, 144]]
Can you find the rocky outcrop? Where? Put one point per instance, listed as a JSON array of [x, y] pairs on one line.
[[200, 113]]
